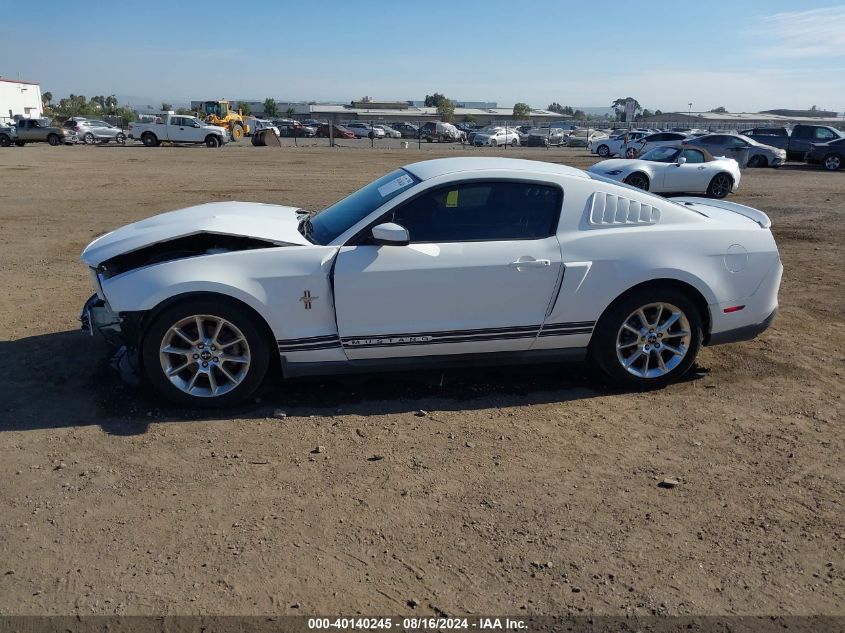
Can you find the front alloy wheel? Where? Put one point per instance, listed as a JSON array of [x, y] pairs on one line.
[[720, 186], [205, 353], [832, 162]]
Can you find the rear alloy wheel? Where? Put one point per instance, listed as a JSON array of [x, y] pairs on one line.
[[832, 162], [493, 142], [212, 140], [5, 141], [53, 139], [88, 139], [603, 151], [638, 180], [720, 186], [649, 338], [120, 138], [515, 143], [205, 353]]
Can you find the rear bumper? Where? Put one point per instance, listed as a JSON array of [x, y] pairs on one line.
[[744, 333]]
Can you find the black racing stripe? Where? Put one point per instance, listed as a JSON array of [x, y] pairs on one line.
[[492, 330], [585, 330], [308, 348], [550, 326], [309, 339], [441, 341]]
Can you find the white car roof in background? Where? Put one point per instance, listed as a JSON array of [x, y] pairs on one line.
[[441, 166]]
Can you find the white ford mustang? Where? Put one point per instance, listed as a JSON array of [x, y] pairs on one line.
[[449, 260], [674, 169]]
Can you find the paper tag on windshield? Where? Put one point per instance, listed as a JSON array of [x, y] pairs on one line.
[[452, 198], [395, 185]]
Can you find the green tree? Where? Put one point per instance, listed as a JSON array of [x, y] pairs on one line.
[[110, 103], [580, 115], [166, 106], [47, 97], [618, 106], [556, 107], [470, 118], [184, 111], [243, 106], [446, 109], [720, 109], [658, 112], [647, 113], [521, 111], [290, 111], [270, 107], [433, 101]]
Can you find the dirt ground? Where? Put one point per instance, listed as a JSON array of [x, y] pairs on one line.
[[519, 490]]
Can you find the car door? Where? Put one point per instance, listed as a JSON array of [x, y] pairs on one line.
[[28, 129], [477, 276], [192, 130], [691, 176]]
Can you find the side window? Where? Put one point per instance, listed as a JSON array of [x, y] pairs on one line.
[[693, 156], [802, 132], [175, 120], [824, 134], [655, 137], [481, 211]]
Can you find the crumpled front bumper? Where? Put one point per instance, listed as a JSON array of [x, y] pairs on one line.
[[98, 318]]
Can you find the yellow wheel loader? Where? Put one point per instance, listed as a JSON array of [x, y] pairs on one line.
[[221, 113]]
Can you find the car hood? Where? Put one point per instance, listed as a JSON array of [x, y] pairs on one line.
[[246, 219], [625, 164]]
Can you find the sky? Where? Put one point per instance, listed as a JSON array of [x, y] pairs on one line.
[[745, 55]]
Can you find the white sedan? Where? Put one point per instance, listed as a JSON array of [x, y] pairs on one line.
[[613, 145], [458, 260], [640, 146], [497, 137], [674, 169]]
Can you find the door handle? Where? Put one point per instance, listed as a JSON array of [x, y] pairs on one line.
[[530, 263]]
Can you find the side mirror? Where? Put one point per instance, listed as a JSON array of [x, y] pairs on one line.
[[681, 160], [390, 234]]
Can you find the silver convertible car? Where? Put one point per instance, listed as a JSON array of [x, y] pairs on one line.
[[458, 260]]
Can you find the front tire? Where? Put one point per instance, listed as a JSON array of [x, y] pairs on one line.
[[88, 139], [515, 143], [638, 180], [832, 162], [648, 338], [53, 139], [205, 353], [237, 132], [149, 139], [120, 138], [720, 186], [603, 151], [758, 161], [212, 140], [5, 141]]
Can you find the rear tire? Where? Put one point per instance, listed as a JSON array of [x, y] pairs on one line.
[[234, 380], [720, 186], [603, 151], [53, 139], [515, 143], [212, 140], [5, 141], [630, 153], [88, 139], [149, 139], [832, 162], [120, 138], [647, 354]]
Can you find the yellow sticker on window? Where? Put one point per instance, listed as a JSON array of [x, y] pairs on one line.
[[452, 198]]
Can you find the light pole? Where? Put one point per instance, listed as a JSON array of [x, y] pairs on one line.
[[689, 112]]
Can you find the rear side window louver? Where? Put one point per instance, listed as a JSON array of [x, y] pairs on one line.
[[611, 210]]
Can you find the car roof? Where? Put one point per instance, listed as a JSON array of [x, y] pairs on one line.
[[427, 169]]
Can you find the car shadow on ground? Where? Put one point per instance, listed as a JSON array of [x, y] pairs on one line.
[[64, 379]]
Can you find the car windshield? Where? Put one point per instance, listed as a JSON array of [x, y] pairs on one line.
[[661, 154], [331, 222]]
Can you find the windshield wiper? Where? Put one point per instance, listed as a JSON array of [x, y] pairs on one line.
[[306, 228]]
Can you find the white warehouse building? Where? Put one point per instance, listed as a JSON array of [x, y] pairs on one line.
[[19, 99]]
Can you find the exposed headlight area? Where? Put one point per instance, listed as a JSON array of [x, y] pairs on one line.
[[613, 172]]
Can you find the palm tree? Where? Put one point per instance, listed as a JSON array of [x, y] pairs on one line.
[[619, 107], [47, 98]]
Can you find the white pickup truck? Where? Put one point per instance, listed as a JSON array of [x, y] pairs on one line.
[[177, 128]]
